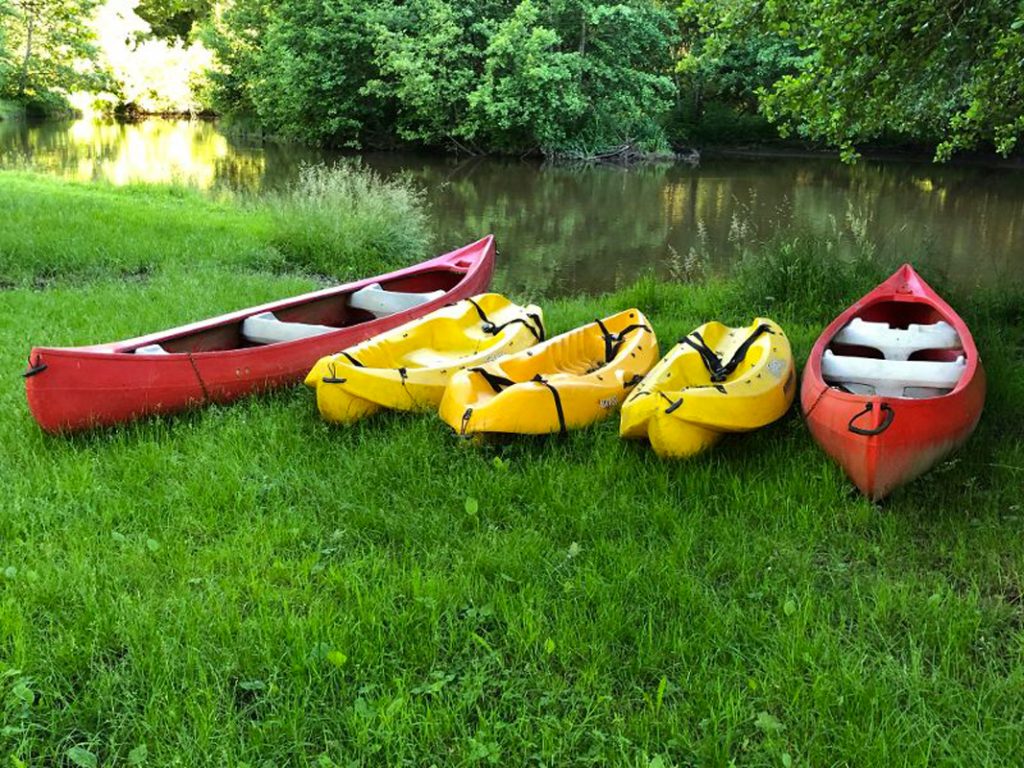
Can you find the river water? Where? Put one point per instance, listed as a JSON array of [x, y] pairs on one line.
[[590, 229]]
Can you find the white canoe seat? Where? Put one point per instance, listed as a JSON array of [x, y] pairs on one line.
[[898, 343], [151, 349], [265, 328], [892, 378], [380, 303]]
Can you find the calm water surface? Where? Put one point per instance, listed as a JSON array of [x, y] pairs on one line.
[[562, 230]]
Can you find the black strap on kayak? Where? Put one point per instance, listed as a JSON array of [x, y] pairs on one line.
[[890, 414], [479, 310], [707, 355], [720, 371], [465, 421], [333, 378], [542, 334], [613, 341], [494, 330], [497, 382], [558, 401], [741, 351], [538, 331], [635, 379], [352, 360]]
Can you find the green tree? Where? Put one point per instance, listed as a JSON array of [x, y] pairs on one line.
[[49, 49], [730, 67], [5, 11], [174, 19], [950, 73], [300, 66], [430, 55], [484, 74]]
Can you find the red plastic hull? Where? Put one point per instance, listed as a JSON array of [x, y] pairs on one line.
[[920, 431], [77, 388]]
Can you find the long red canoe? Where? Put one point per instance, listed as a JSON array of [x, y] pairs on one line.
[[893, 384], [227, 357]]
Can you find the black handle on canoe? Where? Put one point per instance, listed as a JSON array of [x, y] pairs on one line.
[[890, 414], [39, 367]]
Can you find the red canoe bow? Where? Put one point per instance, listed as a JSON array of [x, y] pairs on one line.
[[893, 384], [228, 357]]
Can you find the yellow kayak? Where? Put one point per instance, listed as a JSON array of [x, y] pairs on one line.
[[564, 383], [716, 380], [408, 368]]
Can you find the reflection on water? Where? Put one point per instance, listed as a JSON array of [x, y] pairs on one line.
[[591, 229]]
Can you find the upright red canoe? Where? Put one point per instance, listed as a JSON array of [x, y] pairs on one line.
[[228, 357], [893, 384]]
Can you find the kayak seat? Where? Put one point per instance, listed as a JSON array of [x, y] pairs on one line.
[[151, 349], [381, 303], [898, 343], [265, 328], [892, 378]]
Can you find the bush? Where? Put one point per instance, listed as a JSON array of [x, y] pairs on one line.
[[345, 220]]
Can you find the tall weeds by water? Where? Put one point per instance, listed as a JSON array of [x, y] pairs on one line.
[[345, 219]]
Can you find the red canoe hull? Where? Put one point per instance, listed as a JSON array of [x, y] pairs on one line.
[[913, 434], [78, 388]]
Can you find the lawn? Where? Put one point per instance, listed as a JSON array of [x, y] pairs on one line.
[[246, 585]]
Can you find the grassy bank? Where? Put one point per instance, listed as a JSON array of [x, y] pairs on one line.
[[246, 585], [336, 222]]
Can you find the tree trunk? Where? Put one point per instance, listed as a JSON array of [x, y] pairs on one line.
[[29, 26]]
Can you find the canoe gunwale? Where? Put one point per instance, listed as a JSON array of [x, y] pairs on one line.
[[472, 256]]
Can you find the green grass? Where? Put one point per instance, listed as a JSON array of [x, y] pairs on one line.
[[245, 584], [339, 221]]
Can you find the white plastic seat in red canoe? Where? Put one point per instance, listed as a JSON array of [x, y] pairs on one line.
[[898, 343], [265, 328], [381, 303], [151, 349], [892, 378]]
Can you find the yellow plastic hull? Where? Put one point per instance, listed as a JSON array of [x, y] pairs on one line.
[[408, 368], [683, 408], [564, 383]]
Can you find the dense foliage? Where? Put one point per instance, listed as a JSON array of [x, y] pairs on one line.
[[555, 76], [515, 76], [950, 74], [47, 50], [170, 19]]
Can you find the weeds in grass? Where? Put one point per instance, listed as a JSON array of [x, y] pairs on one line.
[[342, 219], [803, 276]]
